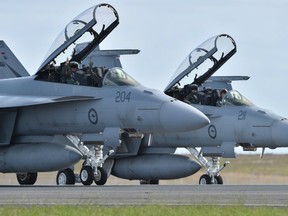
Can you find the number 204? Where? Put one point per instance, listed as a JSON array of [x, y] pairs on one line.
[[122, 96]]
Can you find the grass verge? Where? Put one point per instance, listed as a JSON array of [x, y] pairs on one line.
[[142, 210]]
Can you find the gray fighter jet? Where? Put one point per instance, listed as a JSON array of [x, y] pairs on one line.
[[50, 120], [235, 121]]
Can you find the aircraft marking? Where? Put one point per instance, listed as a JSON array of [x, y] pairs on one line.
[[122, 96], [93, 116], [242, 115], [212, 131]]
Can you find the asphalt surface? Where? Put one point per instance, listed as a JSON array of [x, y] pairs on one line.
[[247, 195]]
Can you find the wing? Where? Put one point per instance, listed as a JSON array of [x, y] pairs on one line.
[[14, 101]]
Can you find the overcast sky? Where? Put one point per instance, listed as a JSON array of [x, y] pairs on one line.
[[166, 31]]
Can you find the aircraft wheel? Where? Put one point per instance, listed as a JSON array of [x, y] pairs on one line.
[[101, 177], [26, 178], [65, 177], [218, 180], [86, 175], [143, 182], [205, 179], [151, 182], [154, 182]]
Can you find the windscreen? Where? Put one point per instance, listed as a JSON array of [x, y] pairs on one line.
[[118, 77], [235, 98]]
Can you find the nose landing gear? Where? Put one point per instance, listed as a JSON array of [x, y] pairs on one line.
[[213, 168]]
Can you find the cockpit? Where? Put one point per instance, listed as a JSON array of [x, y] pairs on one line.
[[87, 76], [209, 97], [63, 63], [235, 98], [117, 77], [189, 84]]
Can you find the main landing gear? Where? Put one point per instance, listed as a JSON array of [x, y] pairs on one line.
[[213, 168], [91, 169], [26, 178], [86, 176]]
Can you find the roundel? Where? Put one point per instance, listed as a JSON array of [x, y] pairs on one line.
[[212, 131], [93, 116]]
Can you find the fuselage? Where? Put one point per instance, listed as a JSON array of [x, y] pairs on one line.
[[45, 108], [242, 125]]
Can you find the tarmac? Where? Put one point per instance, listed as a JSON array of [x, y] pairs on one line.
[[135, 195]]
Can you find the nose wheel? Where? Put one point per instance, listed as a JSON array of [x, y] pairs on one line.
[[101, 177], [206, 179], [91, 168], [212, 166], [87, 176]]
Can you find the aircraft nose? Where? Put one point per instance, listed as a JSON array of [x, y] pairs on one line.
[[280, 133], [178, 116]]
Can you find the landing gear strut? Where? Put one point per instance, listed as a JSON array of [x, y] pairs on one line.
[[92, 167], [213, 168]]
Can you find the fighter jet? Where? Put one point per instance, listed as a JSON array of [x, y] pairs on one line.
[[63, 113], [234, 121]]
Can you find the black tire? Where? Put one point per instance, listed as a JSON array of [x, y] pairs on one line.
[[65, 177], [150, 181], [86, 175], [27, 178], [218, 180], [101, 179], [143, 182], [154, 182], [205, 179]]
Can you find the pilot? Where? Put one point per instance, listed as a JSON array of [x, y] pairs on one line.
[[77, 75], [68, 69], [192, 97], [220, 100], [208, 96]]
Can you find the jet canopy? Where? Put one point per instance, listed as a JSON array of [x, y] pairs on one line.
[[235, 98], [93, 25], [117, 77], [203, 62]]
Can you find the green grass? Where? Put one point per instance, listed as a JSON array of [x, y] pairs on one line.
[[143, 210]]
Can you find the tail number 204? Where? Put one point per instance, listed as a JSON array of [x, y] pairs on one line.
[[122, 96]]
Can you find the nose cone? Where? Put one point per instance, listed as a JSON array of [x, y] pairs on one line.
[[178, 116], [280, 133]]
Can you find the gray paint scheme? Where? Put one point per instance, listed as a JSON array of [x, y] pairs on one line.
[[238, 122], [10, 66], [50, 124]]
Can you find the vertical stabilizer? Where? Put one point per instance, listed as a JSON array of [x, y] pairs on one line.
[[10, 66], [105, 58]]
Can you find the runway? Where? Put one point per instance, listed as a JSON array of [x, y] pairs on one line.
[[247, 195]]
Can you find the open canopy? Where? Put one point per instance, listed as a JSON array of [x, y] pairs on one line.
[[203, 61], [96, 22]]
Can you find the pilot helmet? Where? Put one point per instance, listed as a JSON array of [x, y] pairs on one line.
[[208, 90], [194, 87], [223, 91], [74, 64]]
